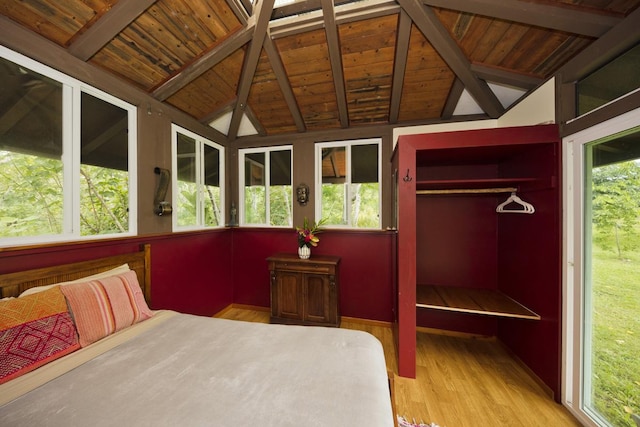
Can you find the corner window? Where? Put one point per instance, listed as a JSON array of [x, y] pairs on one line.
[[266, 195], [612, 81], [348, 175], [67, 157], [198, 195]]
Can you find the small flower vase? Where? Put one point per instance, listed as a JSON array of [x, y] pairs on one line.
[[304, 252]]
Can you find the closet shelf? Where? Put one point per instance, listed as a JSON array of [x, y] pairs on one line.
[[446, 184], [471, 300]]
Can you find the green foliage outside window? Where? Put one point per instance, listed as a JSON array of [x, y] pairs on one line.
[[31, 195]]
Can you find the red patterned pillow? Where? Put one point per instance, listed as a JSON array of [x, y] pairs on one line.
[[102, 307], [34, 330]]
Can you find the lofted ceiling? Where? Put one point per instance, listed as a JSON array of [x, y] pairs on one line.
[[313, 65]]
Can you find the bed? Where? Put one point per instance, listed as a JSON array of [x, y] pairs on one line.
[[169, 368]]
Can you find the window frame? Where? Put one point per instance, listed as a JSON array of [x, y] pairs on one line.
[[242, 152], [348, 144], [72, 90], [200, 143], [573, 271]]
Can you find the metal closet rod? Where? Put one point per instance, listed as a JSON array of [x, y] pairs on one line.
[[468, 191]]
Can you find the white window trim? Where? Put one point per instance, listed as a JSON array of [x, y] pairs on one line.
[[267, 169], [71, 118], [200, 142], [573, 265], [318, 177]]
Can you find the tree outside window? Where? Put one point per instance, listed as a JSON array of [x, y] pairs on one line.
[[66, 157], [198, 173], [348, 176], [265, 183]]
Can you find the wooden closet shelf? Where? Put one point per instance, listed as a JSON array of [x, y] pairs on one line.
[[444, 184], [471, 300]]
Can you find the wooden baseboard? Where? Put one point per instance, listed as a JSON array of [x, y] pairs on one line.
[[380, 323], [240, 306], [445, 332]]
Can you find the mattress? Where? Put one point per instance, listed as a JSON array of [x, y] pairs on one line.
[[179, 369]]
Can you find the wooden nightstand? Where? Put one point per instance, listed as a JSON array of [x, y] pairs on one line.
[[305, 291]]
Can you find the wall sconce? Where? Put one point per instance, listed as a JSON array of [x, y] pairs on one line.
[[302, 194], [160, 206]]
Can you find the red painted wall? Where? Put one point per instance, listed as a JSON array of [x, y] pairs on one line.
[[189, 272], [204, 272], [366, 271]]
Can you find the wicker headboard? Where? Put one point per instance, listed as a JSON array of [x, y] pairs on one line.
[[13, 284]]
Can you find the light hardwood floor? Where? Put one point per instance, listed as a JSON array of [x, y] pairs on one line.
[[460, 382]]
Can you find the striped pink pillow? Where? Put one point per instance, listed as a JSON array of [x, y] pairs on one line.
[[102, 307]]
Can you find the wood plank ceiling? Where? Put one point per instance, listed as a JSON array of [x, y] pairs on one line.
[[322, 64]]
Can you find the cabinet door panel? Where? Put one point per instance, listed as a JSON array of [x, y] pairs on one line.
[[317, 307], [290, 295]]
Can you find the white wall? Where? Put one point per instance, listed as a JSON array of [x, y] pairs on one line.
[[537, 108]]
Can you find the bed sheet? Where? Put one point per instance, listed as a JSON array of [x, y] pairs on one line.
[[196, 371]]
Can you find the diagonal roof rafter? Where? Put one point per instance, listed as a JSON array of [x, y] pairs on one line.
[[433, 30], [335, 57], [107, 27], [549, 16], [262, 14]]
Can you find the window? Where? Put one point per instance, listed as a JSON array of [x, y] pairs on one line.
[[198, 195], [602, 272], [613, 80], [348, 174], [67, 157], [266, 195]]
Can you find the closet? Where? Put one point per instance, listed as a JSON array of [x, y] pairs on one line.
[[479, 241]]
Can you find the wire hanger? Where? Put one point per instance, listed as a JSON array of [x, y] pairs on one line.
[[527, 208]]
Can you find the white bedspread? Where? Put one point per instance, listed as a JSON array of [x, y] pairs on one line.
[[198, 371]]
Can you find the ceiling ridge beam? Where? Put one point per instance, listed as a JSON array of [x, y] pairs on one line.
[[283, 81], [262, 13], [399, 65], [350, 12], [335, 57], [541, 15], [107, 27], [505, 77], [433, 30], [201, 65]]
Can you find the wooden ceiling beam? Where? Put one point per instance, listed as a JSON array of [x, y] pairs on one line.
[[452, 100], [335, 57], [240, 10], [433, 30], [261, 16], [505, 77], [621, 38], [204, 63], [107, 27], [283, 81], [248, 112], [345, 13], [399, 65], [541, 15]]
